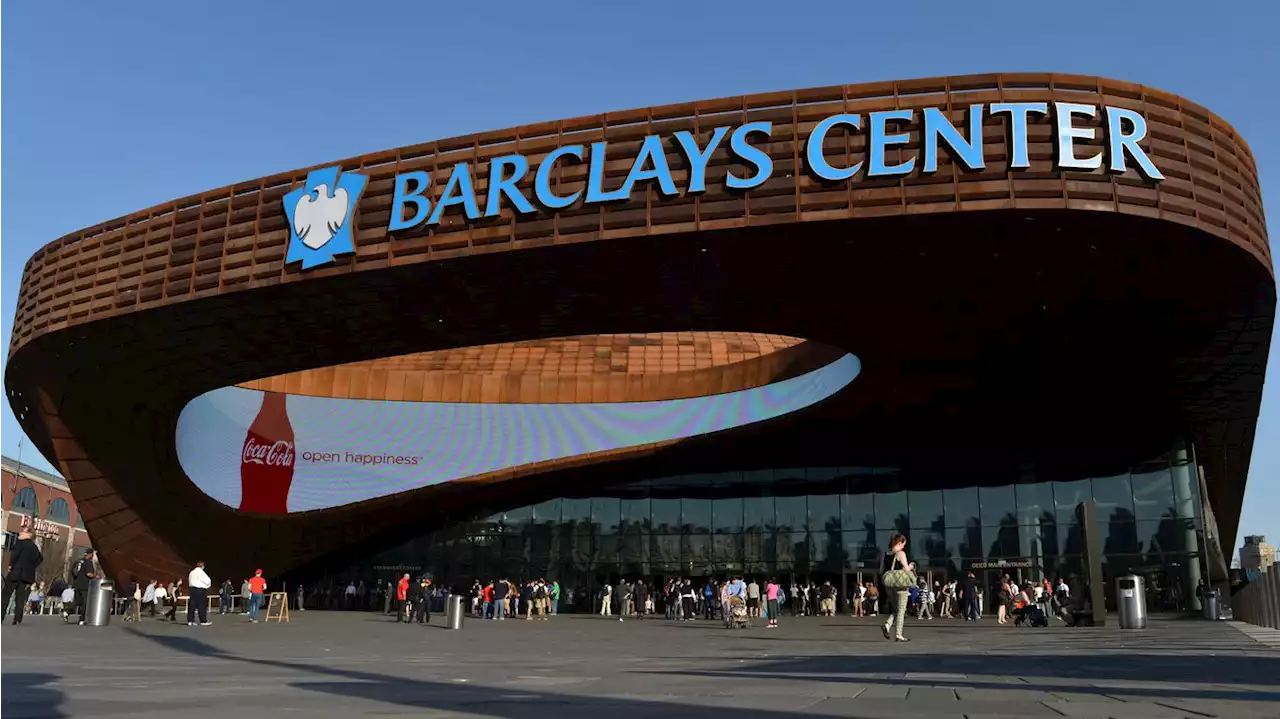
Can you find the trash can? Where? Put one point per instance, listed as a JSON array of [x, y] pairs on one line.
[[1212, 605], [453, 612], [98, 602], [1131, 600]]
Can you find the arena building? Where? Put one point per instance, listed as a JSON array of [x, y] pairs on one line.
[[1021, 318]]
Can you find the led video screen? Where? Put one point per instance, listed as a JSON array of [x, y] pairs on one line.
[[276, 453]]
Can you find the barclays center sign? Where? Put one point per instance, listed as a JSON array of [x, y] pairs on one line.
[[320, 211]]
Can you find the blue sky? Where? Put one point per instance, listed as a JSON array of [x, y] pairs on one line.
[[112, 107]]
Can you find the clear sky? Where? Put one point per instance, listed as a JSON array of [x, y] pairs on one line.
[[109, 107]]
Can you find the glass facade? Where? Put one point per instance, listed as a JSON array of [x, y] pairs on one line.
[[828, 523]]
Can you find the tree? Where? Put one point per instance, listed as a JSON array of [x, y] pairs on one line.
[[54, 566]]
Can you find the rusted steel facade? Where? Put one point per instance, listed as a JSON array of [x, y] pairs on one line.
[[120, 324]]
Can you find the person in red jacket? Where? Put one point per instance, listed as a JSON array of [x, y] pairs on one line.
[[402, 596]]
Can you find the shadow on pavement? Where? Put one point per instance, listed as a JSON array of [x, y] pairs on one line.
[[1110, 670], [25, 696], [488, 701]]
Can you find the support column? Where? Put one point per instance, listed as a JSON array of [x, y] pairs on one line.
[[1093, 561], [1186, 499]]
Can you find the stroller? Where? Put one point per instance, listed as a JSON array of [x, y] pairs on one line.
[[737, 613], [1031, 615]]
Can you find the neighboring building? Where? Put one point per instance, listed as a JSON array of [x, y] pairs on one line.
[[1256, 555], [755, 334], [42, 501]]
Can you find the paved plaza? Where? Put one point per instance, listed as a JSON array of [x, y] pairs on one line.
[[337, 664]]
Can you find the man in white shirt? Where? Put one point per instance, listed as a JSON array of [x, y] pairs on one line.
[[198, 601]]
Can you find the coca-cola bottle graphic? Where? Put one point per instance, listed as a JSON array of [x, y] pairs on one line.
[[266, 462]]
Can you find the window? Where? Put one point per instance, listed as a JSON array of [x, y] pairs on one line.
[[792, 513], [824, 513], [891, 511], [857, 513], [998, 505], [926, 509], [961, 506], [59, 511], [1069, 495], [1035, 503], [1114, 496], [25, 502], [757, 514], [605, 512], [1153, 493], [726, 515]]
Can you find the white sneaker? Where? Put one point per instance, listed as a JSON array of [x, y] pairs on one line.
[[206, 624], [191, 624]]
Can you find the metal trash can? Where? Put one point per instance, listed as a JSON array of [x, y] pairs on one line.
[[1212, 605], [453, 612], [98, 602], [1131, 600]]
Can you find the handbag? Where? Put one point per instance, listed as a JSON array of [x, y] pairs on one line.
[[899, 580]]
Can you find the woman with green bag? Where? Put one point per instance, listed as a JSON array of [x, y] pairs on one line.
[[897, 576]]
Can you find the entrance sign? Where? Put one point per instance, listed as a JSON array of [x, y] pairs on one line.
[[1003, 564], [319, 216]]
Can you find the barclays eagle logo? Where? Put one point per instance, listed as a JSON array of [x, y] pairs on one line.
[[319, 215]]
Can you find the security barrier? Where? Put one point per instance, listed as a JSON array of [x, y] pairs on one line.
[[1258, 603]]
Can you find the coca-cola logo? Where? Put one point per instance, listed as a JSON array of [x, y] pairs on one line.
[[276, 454]]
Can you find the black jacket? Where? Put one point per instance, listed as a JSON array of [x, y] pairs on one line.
[[24, 557], [80, 575]]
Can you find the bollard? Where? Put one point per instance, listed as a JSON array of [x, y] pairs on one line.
[[454, 612]]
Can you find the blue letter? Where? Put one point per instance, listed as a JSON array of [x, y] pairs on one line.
[[499, 185], [880, 140], [813, 150], [542, 180], [651, 151], [937, 125], [595, 178], [402, 195], [739, 146], [457, 191], [1119, 143], [1018, 112], [698, 158], [1066, 137]]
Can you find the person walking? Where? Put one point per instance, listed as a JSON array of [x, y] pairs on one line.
[[421, 612], [895, 587], [642, 599], [226, 594], [198, 584], [24, 557], [771, 593], [926, 601], [753, 598], [84, 571], [257, 588], [501, 589], [555, 597], [606, 600], [402, 599]]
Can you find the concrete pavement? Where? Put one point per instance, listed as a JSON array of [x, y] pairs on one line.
[[344, 664]]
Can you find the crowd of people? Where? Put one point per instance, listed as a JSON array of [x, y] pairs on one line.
[[730, 600]]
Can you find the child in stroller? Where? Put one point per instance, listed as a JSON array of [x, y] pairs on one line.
[[737, 613]]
